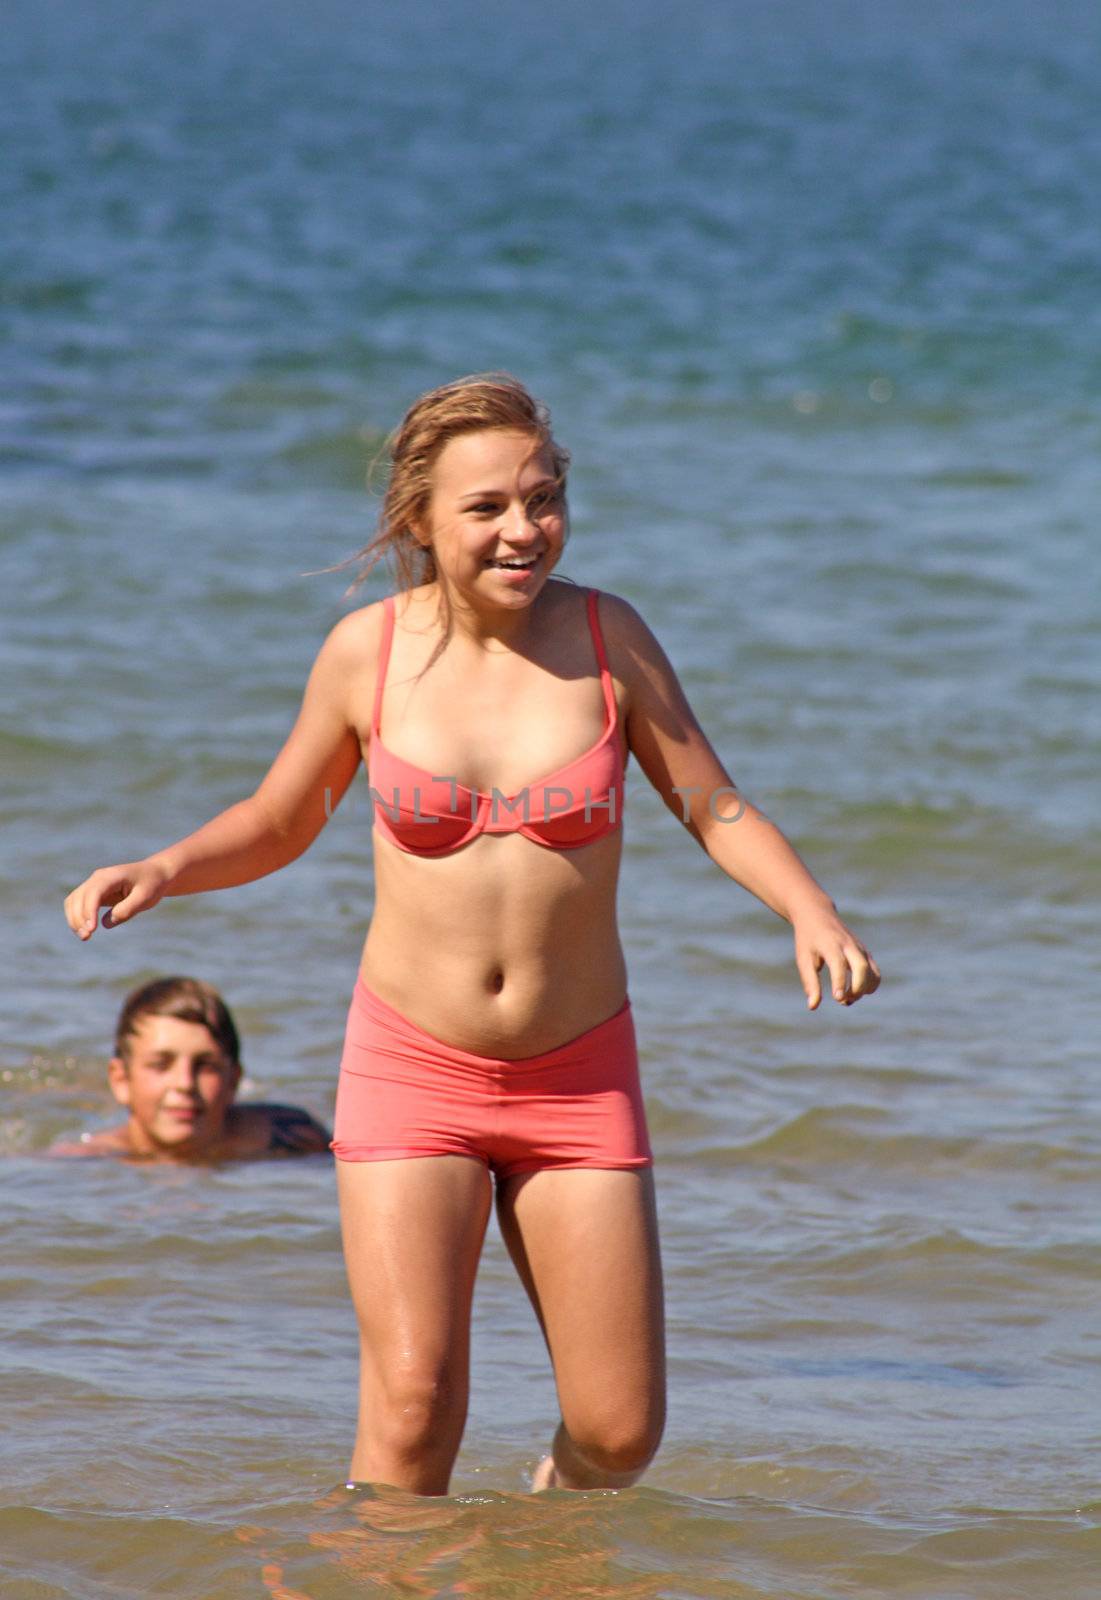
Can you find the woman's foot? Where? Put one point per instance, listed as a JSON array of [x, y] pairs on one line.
[[544, 1476]]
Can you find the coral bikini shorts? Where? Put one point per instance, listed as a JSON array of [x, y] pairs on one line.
[[403, 1093]]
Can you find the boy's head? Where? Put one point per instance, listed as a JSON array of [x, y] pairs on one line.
[[176, 1066]]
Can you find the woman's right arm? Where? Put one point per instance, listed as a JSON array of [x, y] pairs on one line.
[[273, 826]]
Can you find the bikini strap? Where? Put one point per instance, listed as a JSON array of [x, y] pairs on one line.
[[602, 659], [383, 658]]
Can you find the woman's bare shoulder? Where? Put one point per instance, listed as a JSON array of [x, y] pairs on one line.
[[629, 640], [617, 613], [351, 646], [571, 600], [345, 663], [356, 631]]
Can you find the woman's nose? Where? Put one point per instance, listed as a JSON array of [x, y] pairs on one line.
[[520, 523]]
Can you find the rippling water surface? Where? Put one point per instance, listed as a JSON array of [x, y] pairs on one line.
[[812, 292]]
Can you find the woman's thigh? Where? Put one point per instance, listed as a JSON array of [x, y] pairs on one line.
[[585, 1243], [413, 1232]]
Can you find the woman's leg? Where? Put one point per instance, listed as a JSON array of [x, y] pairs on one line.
[[585, 1243], [413, 1232]]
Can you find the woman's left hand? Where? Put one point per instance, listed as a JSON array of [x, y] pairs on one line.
[[822, 940]]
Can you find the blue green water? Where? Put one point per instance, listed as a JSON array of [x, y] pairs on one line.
[[812, 293]]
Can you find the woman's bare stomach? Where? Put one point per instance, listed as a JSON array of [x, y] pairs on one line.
[[504, 949]]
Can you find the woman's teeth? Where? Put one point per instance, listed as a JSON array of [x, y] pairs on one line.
[[516, 566]]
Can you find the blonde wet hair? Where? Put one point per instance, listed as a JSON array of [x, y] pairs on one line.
[[468, 405]]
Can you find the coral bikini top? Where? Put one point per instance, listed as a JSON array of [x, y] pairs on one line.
[[427, 814]]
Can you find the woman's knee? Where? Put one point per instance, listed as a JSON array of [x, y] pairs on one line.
[[415, 1405], [619, 1443]]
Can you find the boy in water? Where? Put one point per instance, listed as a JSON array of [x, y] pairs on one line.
[[175, 1069]]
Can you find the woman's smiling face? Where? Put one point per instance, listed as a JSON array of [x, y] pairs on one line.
[[496, 518]]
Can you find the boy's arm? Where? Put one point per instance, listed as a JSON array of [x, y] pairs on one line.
[[295, 1132], [110, 1142], [273, 1130]]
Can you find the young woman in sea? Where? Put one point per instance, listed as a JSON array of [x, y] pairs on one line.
[[490, 1051]]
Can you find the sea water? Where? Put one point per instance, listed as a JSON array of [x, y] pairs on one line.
[[812, 291]]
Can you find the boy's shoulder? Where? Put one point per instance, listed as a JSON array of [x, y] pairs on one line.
[[250, 1131], [108, 1142], [270, 1129]]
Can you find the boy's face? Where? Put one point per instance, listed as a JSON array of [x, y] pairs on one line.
[[177, 1085]]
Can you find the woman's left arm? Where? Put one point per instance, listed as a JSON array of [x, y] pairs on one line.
[[674, 753]]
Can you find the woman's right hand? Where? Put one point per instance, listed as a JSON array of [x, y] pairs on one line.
[[124, 891]]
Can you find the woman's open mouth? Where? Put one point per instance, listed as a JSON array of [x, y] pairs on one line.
[[515, 563]]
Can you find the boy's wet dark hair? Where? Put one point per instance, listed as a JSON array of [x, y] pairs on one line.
[[189, 1000]]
